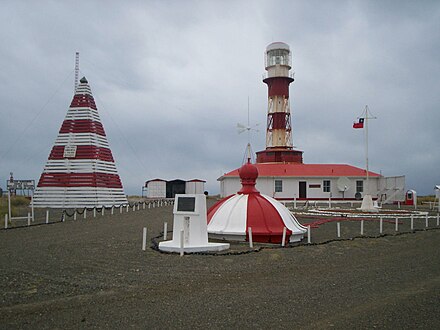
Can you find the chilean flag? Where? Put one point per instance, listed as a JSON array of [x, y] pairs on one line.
[[359, 124]]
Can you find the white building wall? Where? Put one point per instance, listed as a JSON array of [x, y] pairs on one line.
[[194, 187], [156, 189], [266, 185]]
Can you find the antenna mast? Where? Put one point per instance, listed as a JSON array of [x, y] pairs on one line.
[[76, 70]]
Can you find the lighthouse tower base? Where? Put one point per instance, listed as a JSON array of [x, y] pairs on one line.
[[280, 155]]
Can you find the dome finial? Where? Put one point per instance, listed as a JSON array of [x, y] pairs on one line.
[[248, 177]]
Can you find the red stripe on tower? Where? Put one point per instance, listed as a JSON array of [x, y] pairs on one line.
[[80, 171]]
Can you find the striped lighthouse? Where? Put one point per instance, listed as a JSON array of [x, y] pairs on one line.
[[80, 171], [279, 145]]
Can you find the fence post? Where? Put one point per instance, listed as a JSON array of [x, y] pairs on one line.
[[128, 207], [103, 210], [6, 221], [32, 208], [165, 230], [338, 229], [94, 212], [309, 234], [9, 206], [134, 207], [412, 222], [74, 214], [181, 243], [397, 224], [112, 212], [283, 242], [144, 239], [251, 243], [438, 218], [381, 225], [143, 205], [426, 219], [47, 216], [29, 218], [85, 213], [362, 227]]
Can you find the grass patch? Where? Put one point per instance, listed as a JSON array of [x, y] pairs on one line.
[[17, 203]]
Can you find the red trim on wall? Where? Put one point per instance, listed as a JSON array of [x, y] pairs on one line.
[[84, 152], [102, 180]]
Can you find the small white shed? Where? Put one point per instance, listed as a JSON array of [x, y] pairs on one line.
[[156, 188]]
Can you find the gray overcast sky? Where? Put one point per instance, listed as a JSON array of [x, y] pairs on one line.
[[171, 80]]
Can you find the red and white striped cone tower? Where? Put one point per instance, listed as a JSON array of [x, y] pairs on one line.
[[80, 171]]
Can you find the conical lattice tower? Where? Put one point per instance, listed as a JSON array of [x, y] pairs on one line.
[[80, 171]]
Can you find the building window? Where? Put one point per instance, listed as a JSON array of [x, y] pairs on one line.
[[326, 186], [278, 185], [359, 186]]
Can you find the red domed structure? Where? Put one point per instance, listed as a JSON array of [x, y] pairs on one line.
[[231, 218]]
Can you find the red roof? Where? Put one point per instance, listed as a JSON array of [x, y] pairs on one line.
[[306, 170]]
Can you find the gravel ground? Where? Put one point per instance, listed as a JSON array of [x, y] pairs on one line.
[[93, 274]]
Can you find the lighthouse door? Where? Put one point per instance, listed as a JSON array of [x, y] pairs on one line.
[[302, 189]]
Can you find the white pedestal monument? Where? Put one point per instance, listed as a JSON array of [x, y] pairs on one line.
[[190, 218]]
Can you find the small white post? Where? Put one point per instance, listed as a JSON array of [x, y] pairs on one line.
[[143, 205], [85, 213], [338, 228], [127, 208], [181, 243], [154, 204], [63, 217], [6, 221], [330, 201], [381, 225], [47, 216], [362, 227], [398, 205], [294, 202], [120, 209], [309, 234], [283, 242], [251, 243], [113, 208], [32, 208], [397, 224], [165, 230], [149, 205], [412, 222], [9, 206], [134, 207], [426, 220], [415, 206], [438, 218], [94, 212], [29, 218], [139, 205], [74, 214], [144, 239], [103, 210]]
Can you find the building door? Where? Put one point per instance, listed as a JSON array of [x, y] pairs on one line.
[[302, 189]]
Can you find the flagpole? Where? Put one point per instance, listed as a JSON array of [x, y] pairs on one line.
[[366, 149]]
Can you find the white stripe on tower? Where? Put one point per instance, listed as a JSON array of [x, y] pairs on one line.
[[80, 171]]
